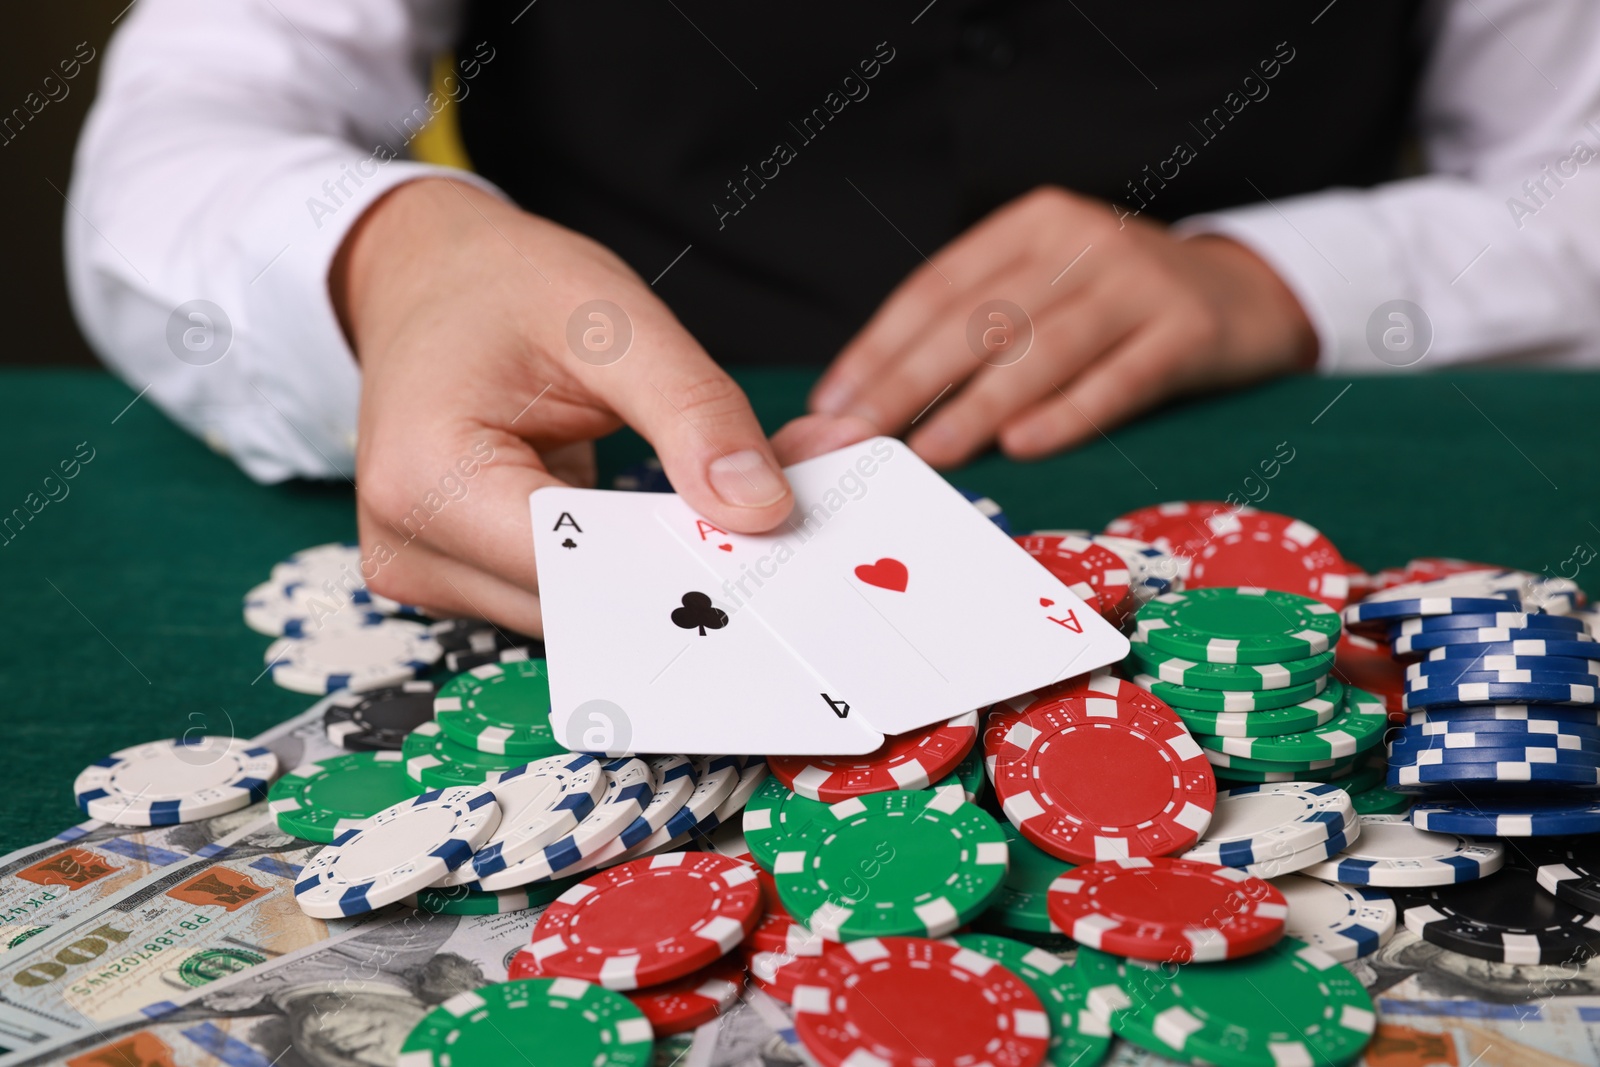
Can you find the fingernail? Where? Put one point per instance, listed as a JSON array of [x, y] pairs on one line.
[[832, 397], [746, 480]]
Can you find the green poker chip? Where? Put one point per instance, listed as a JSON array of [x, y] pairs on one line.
[[1293, 719], [501, 708], [1228, 777], [319, 801], [1183, 696], [1379, 801], [1228, 763], [1021, 904], [438, 762], [1124, 1004], [1291, 1003], [463, 900], [1364, 777], [774, 815], [1078, 1037], [1241, 625], [565, 1021], [1358, 726], [913, 862], [1232, 677]]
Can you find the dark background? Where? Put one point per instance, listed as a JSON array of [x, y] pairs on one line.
[[33, 303]]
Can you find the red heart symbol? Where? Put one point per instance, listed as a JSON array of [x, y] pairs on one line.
[[726, 548], [885, 574], [1045, 603]]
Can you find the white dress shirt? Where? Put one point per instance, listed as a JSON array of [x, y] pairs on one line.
[[234, 143]]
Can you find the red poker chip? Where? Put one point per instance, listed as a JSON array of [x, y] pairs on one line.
[[1095, 573], [672, 1007], [911, 760], [1366, 662], [649, 921], [1167, 910], [1432, 568], [1271, 551], [1361, 583], [780, 933], [1182, 527], [908, 1000], [1103, 770], [779, 974]]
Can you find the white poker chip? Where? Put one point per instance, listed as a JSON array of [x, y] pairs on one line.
[[1257, 823], [371, 655], [1152, 570], [1278, 866], [627, 793], [162, 783], [336, 565], [675, 779], [1345, 921], [279, 610], [751, 775], [1391, 852], [717, 778], [397, 852], [539, 802]]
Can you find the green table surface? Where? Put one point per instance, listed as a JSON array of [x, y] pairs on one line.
[[122, 600]]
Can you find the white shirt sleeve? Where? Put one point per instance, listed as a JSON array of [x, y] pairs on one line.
[[231, 147], [1497, 243]]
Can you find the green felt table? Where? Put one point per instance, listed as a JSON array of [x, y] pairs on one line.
[[122, 599]]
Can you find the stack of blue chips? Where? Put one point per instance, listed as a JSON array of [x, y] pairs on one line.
[[1502, 700]]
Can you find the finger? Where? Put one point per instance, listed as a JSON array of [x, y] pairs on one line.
[[1070, 336], [707, 436], [1142, 371], [449, 588], [814, 435]]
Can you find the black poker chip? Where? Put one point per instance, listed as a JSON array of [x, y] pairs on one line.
[[476, 635], [1506, 918], [379, 719], [456, 662], [1569, 867]]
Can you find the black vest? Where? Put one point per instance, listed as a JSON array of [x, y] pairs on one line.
[[812, 152]]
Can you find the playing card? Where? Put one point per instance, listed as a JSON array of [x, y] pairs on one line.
[[887, 581], [645, 657]]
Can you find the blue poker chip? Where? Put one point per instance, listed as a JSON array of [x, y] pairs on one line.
[[1518, 774], [1410, 755], [1505, 620], [1386, 612], [1476, 713], [1436, 640], [1531, 646], [1508, 816], [988, 507], [1459, 678], [1536, 664], [645, 476], [1501, 693], [1467, 734]]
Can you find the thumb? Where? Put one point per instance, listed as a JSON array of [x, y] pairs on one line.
[[703, 428]]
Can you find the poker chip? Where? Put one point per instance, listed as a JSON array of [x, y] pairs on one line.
[[461, 662], [1489, 747], [1289, 1004], [1078, 1037], [1345, 921], [1266, 550], [1167, 909], [1458, 679], [438, 762], [1359, 726], [971, 774], [1229, 676], [673, 1007], [1243, 625], [752, 772], [1507, 919], [1380, 801], [1454, 670], [700, 906], [162, 783], [279, 610], [320, 801], [1377, 611], [1426, 777], [461, 900], [1096, 574], [1508, 816], [565, 1021], [871, 1001], [1151, 570], [476, 635], [400, 850], [1115, 990], [539, 802], [1456, 644], [1223, 761], [1022, 903], [1504, 620], [1295, 718], [1277, 863], [778, 933], [1569, 867], [1501, 693], [1480, 713], [987, 508], [716, 777], [624, 794], [1181, 526], [1392, 853], [1366, 775], [1236, 775], [674, 779], [1102, 770], [371, 655], [778, 974], [335, 566], [1255, 823], [503, 708], [379, 719], [911, 760], [1181, 696], [1471, 733], [939, 861], [774, 814]]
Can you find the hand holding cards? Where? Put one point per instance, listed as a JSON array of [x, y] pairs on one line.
[[884, 603]]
